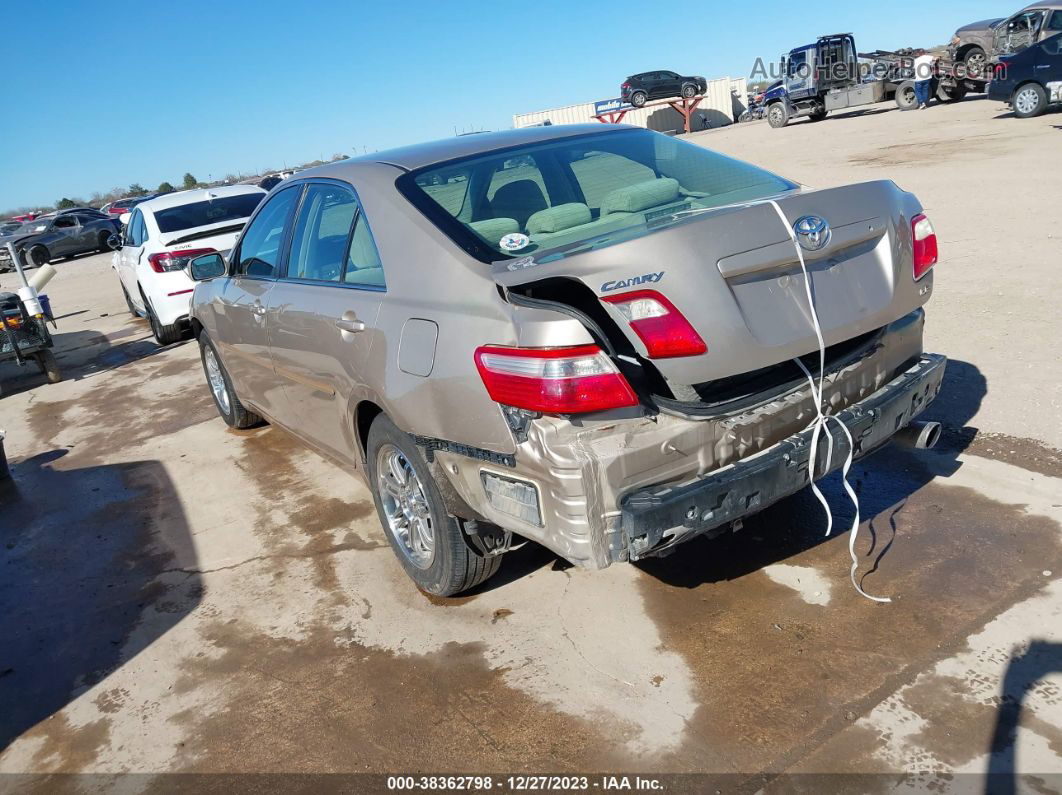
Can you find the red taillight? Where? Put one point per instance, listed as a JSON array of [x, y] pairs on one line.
[[625, 85], [664, 330], [167, 261], [553, 380], [925, 245]]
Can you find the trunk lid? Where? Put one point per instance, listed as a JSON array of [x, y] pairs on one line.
[[734, 274]]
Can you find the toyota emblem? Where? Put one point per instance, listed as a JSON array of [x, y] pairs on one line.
[[812, 232]]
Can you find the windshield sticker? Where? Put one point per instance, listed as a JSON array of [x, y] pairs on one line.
[[648, 278], [514, 241], [655, 218]]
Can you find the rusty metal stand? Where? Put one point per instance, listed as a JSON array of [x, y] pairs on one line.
[[683, 106]]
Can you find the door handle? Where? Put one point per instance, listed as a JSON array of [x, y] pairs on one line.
[[349, 324], [1043, 66]]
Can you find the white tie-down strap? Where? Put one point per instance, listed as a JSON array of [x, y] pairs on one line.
[[822, 420]]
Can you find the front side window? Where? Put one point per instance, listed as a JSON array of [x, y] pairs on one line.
[[65, 222], [1055, 23], [319, 241], [260, 249], [602, 187]]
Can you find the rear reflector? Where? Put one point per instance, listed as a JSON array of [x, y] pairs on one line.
[[664, 330], [168, 261], [925, 245], [553, 380]]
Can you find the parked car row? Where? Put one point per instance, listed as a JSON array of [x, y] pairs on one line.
[[64, 234], [159, 237]]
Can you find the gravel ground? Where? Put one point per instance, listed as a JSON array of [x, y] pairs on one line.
[[182, 598]]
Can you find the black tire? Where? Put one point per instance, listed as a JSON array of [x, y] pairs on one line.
[[103, 238], [744, 117], [36, 256], [689, 91], [638, 98], [818, 115], [454, 566], [1029, 100], [235, 414], [954, 94], [976, 62], [164, 335], [777, 115], [906, 99], [49, 366]]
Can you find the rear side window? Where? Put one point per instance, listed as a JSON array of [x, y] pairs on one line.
[[363, 260], [319, 241], [215, 211], [260, 249], [136, 229]]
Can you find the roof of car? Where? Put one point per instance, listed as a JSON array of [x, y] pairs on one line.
[[1031, 6], [426, 154], [181, 197]]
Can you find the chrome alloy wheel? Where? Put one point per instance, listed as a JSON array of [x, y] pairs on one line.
[[217, 380], [1026, 100], [405, 506]]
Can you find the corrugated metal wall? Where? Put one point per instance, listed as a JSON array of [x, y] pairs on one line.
[[723, 102]]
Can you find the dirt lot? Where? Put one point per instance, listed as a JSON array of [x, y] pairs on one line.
[[179, 597]]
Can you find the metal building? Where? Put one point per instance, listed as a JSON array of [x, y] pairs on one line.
[[723, 102]]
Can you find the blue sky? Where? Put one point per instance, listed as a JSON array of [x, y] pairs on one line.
[[98, 95]]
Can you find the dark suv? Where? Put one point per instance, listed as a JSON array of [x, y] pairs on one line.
[[639, 89]]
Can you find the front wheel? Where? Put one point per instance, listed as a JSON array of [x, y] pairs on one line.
[[428, 542], [689, 91], [906, 98], [36, 257], [778, 115], [955, 93], [235, 414], [976, 60], [1029, 100]]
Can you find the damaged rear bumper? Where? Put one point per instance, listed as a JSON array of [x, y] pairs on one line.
[[655, 519]]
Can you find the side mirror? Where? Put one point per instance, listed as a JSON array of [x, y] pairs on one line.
[[114, 242], [123, 219], [208, 266]]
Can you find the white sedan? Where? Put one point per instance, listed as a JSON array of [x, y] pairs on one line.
[[160, 237]]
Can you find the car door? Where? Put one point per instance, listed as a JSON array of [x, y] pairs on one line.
[[65, 232], [798, 74], [88, 230], [1048, 67], [322, 316], [241, 335], [670, 84], [133, 238]]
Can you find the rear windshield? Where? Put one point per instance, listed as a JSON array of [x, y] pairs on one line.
[[604, 187], [223, 208]]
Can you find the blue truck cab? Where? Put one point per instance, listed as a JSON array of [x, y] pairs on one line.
[[818, 78]]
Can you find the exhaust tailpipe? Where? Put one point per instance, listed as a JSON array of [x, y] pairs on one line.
[[919, 435]]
